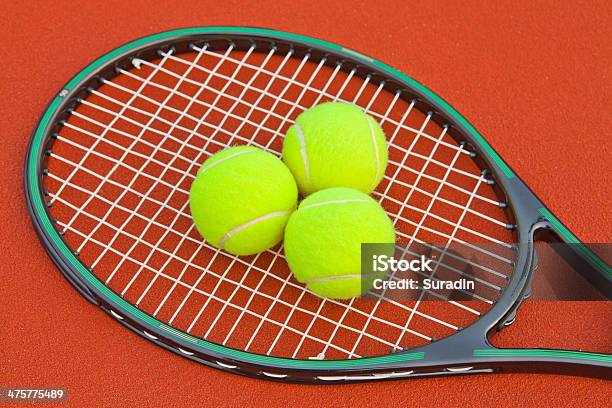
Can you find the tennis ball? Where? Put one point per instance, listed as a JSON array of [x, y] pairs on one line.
[[323, 241], [241, 200], [335, 144]]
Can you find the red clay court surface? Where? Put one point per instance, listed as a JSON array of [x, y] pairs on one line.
[[532, 79]]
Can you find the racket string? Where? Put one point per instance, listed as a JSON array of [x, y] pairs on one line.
[[106, 129], [420, 224], [382, 195], [224, 278], [322, 93], [398, 165], [318, 314], [437, 265], [185, 192], [185, 205], [279, 133], [261, 317]]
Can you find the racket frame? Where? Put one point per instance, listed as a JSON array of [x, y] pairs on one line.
[[467, 351]]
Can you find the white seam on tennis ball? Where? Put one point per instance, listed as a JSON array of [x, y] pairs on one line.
[[376, 152], [338, 277], [225, 159], [248, 224], [302, 139], [356, 200]]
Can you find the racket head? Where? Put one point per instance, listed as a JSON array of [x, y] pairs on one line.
[[520, 207]]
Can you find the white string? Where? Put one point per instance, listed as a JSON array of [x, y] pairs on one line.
[[501, 223], [276, 254], [416, 232], [444, 252], [176, 218], [278, 98], [312, 77], [133, 180], [187, 216], [144, 84], [214, 138], [238, 284], [322, 93], [201, 311], [277, 337], [275, 133], [152, 187], [297, 101], [199, 291], [221, 277], [181, 172], [256, 331], [186, 298], [251, 266], [220, 313], [250, 141]]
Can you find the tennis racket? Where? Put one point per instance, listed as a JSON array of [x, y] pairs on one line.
[[107, 176]]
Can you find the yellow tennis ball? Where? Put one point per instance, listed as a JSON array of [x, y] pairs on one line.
[[241, 200], [335, 144], [323, 241]]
